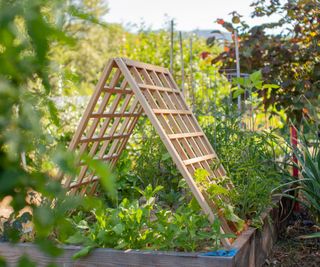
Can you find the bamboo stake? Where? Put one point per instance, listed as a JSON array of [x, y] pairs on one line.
[[191, 77], [182, 63], [171, 46]]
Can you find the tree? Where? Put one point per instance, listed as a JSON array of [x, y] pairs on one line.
[[27, 30], [287, 52]]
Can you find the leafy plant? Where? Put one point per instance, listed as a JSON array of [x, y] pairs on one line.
[[308, 162], [143, 224], [220, 195], [250, 161], [146, 161], [29, 154]]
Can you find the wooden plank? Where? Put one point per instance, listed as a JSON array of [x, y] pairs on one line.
[[137, 64], [85, 118], [116, 90], [158, 88], [253, 246], [184, 135], [191, 145], [198, 159], [105, 158], [200, 143], [114, 115], [101, 109], [112, 109], [182, 145], [103, 138], [172, 125], [111, 257], [128, 126], [84, 181], [171, 111]]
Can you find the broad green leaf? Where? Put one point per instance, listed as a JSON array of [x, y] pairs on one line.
[[83, 252], [139, 215], [237, 92]]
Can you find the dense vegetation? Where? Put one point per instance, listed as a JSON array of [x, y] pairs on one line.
[[52, 52]]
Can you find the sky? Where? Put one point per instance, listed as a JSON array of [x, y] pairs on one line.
[[188, 14]]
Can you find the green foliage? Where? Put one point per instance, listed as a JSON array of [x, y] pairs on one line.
[[148, 161], [24, 261], [53, 49], [217, 191], [250, 161], [102, 170], [307, 154], [254, 81], [287, 52], [144, 224], [27, 115]]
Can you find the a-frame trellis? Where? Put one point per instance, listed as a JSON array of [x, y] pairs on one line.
[[125, 90]]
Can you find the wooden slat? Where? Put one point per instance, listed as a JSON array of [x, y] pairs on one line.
[[184, 148], [171, 111], [125, 258], [198, 159], [133, 63], [85, 181], [200, 144], [116, 90], [184, 135], [171, 126], [105, 158], [157, 88], [103, 138], [114, 115]]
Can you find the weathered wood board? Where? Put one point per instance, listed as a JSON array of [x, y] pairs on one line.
[[253, 247]]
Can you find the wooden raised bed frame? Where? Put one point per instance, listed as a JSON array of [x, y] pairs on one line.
[[253, 247]]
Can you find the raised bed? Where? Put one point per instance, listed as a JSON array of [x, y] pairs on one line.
[[253, 246]]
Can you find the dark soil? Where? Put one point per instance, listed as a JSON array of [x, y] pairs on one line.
[[290, 250]]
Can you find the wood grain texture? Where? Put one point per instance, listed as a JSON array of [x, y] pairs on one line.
[[110, 257], [253, 247]]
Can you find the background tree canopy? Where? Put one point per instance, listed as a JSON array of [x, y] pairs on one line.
[[287, 52]]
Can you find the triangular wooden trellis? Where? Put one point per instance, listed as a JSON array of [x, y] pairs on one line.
[[125, 90]]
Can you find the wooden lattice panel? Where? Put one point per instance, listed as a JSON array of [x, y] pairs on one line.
[[105, 127], [126, 89]]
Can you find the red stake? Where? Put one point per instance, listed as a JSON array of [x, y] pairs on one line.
[[295, 170]]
